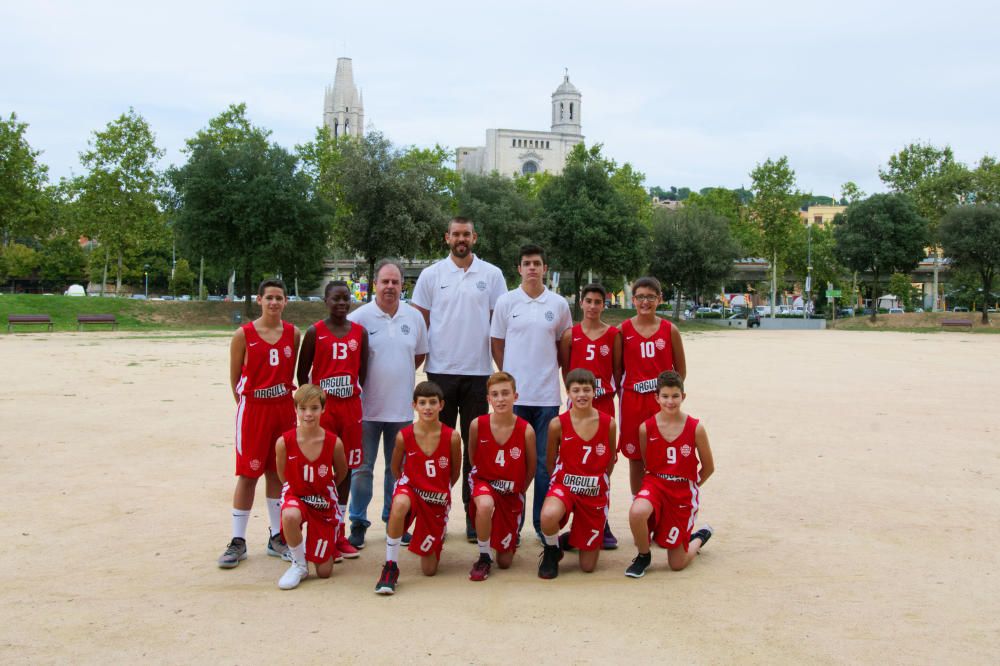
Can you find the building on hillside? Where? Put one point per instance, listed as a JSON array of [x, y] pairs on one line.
[[669, 204], [343, 104], [820, 214], [513, 152]]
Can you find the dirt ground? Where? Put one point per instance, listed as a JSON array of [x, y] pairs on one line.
[[856, 508]]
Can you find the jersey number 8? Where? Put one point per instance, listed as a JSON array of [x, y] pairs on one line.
[[273, 357]]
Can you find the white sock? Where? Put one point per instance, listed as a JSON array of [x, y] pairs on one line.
[[551, 540], [343, 513], [392, 549], [274, 513], [299, 554], [484, 547], [240, 519]]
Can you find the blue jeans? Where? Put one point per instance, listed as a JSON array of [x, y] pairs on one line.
[[361, 478], [539, 418]]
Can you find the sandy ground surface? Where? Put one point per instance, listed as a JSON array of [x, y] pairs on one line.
[[856, 507]]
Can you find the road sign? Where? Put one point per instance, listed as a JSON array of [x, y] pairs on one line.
[[833, 293]]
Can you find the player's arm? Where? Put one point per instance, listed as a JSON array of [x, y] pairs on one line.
[[677, 346], [497, 348], [397, 456], [237, 353], [613, 443], [339, 461], [280, 458], [456, 455], [306, 356], [296, 342], [642, 443], [704, 454], [363, 367], [473, 442], [552, 444], [565, 347], [530, 456], [420, 349], [425, 312], [617, 367], [418, 360]]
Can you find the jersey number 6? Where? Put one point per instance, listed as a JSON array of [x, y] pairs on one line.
[[430, 468]]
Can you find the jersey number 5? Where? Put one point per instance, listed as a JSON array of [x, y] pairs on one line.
[[590, 352]]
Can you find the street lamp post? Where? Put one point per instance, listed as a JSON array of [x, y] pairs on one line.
[[146, 274], [809, 271]]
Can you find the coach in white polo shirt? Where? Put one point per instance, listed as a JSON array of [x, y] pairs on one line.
[[397, 345], [527, 325], [456, 296]]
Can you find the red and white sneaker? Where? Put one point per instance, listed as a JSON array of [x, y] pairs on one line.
[[346, 549]]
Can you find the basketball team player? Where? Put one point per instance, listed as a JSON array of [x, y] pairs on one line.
[[426, 461], [650, 345], [261, 370], [580, 461], [678, 461], [335, 357], [596, 346], [501, 448], [310, 462]]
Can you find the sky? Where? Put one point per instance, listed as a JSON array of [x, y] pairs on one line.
[[692, 94]]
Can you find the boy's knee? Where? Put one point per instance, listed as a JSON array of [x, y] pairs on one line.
[[677, 566], [324, 573]]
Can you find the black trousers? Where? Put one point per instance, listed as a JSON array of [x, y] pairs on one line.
[[465, 394]]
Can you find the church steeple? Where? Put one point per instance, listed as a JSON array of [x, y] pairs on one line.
[[343, 107], [566, 108]]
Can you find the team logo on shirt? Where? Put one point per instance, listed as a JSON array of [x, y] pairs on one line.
[[323, 469], [353, 345], [288, 351], [443, 462], [685, 450], [660, 343], [630, 447], [601, 449], [643, 493], [481, 285], [515, 452], [558, 491], [549, 315], [404, 329], [255, 465], [605, 350]]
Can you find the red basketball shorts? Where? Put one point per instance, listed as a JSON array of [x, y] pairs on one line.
[[320, 528], [259, 424], [590, 514], [635, 408], [675, 507], [507, 511], [429, 521], [342, 417]]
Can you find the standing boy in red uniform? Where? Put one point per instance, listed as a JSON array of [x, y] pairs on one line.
[[261, 368], [596, 346], [426, 462], [310, 461], [672, 445], [499, 477], [651, 345], [580, 463], [335, 357]]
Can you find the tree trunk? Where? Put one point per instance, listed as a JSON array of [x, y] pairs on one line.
[[774, 282], [937, 261], [627, 290], [987, 289], [247, 302], [201, 279], [677, 304], [371, 281], [577, 276], [118, 275], [875, 296], [104, 275]]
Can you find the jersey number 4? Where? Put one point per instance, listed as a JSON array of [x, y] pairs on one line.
[[500, 460]]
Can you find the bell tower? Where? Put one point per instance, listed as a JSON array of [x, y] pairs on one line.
[[566, 108]]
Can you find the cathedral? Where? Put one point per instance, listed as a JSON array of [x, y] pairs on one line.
[[343, 105], [513, 152]]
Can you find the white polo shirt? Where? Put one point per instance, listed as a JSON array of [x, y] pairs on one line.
[[460, 302], [530, 328], [392, 344]]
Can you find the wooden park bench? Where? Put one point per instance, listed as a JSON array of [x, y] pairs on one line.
[[96, 319], [956, 323], [17, 319]]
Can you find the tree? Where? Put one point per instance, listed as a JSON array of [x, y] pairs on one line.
[[729, 204], [22, 181], [503, 217], [183, 280], [901, 287], [244, 203], [971, 239], [62, 261], [19, 261], [817, 242], [692, 249], [119, 195], [986, 181], [588, 222], [774, 212], [850, 192], [882, 234]]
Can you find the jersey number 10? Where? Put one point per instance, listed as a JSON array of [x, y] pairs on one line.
[[647, 349]]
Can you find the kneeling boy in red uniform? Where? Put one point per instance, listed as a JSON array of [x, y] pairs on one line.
[[426, 462], [672, 445], [580, 459], [310, 460], [502, 450]]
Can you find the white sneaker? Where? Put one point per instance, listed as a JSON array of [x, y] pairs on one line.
[[295, 575]]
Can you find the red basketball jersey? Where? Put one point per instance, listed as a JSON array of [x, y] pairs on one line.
[[596, 356], [645, 358], [428, 475], [312, 481], [503, 466], [337, 361], [676, 459], [269, 369], [582, 465]]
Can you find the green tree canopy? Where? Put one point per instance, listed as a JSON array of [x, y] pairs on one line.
[[971, 239], [22, 183], [62, 262], [503, 217], [774, 212]]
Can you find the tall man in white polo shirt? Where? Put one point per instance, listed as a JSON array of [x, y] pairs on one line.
[[456, 296], [528, 323], [397, 345]]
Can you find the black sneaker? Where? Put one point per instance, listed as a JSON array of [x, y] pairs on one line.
[[236, 551], [564, 541], [549, 566], [639, 565], [387, 581], [357, 538], [704, 534]]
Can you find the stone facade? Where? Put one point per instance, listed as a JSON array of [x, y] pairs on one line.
[[343, 104], [512, 152]]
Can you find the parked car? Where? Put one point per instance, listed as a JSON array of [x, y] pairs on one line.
[[314, 299], [753, 319], [139, 297], [960, 308], [896, 311], [845, 312], [215, 298], [168, 297], [184, 297]]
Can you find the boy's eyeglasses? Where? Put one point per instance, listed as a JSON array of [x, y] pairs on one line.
[[648, 299]]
